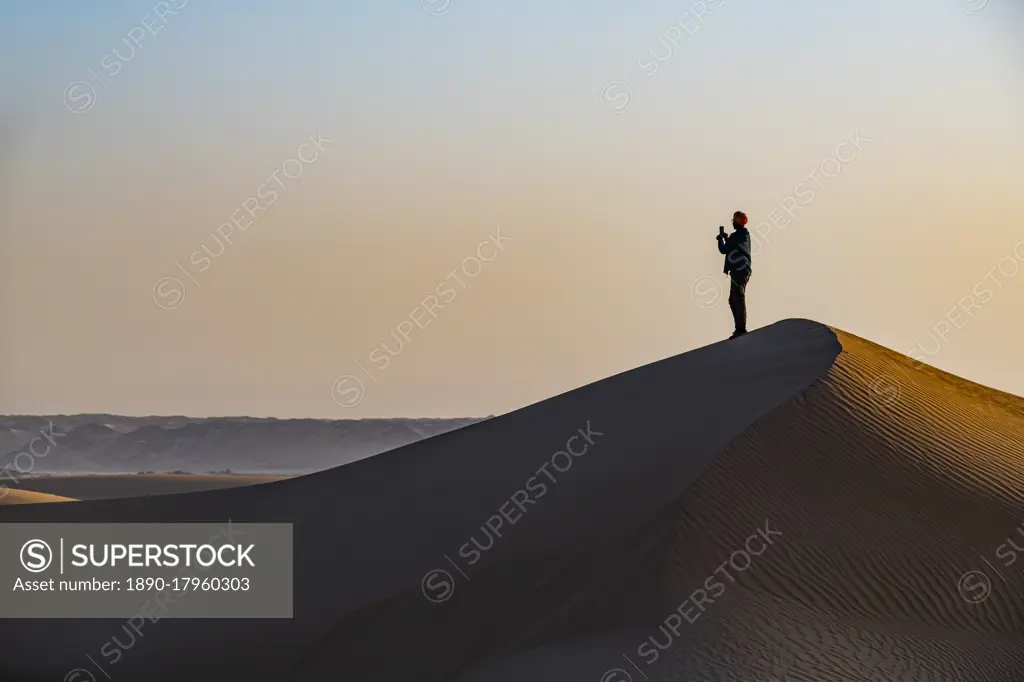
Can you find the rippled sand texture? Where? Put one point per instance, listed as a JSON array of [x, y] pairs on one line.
[[888, 483]]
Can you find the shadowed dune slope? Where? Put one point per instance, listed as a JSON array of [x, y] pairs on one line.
[[879, 484], [366, 533]]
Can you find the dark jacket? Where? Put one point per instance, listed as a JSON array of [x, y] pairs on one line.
[[736, 248]]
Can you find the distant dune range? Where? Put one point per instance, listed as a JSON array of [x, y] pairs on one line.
[[856, 488], [112, 444]]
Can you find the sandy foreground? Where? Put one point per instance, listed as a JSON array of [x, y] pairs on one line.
[[798, 504]]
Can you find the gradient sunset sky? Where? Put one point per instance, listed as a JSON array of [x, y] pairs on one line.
[[605, 142]]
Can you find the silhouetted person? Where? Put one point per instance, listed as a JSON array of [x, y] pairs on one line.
[[736, 248]]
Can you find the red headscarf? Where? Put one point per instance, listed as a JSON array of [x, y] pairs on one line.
[[740, 218]]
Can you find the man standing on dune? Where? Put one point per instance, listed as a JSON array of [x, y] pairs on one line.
[[736, 248]]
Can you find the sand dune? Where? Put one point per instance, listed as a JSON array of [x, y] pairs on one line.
[[99, 487], [798, 504], [14, 496]]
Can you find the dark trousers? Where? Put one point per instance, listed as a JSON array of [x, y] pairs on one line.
[[738, 299]]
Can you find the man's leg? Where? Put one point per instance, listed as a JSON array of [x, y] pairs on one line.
[[738, 301]]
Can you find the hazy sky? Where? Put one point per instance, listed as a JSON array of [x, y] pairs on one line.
[[570, 162]]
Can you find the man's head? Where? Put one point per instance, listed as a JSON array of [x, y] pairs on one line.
[[739, 219]]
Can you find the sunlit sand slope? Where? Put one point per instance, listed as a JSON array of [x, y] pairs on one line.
[[10, 496]]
